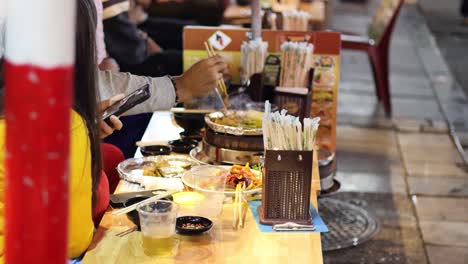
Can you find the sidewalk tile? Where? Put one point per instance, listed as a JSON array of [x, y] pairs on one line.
[[447, 255], [445, 233], [438, 186], [441, 209]]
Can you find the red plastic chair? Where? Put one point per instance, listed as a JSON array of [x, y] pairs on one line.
[[377, 49]]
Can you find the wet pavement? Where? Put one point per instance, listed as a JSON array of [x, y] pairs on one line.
[[405, 170]]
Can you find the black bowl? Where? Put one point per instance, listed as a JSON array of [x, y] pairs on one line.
[[155, 150], [183, 145], [197, 220], [133, 215], [189, 121]]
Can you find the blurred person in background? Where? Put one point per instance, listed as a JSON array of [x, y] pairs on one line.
[[464, 11], [133, 49], [204, 12]]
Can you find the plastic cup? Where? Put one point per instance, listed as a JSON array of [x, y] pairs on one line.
[[209, 182], [158, 220]]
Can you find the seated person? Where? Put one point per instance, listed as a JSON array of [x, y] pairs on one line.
[[204, 12], [132, 48], [167, 32]]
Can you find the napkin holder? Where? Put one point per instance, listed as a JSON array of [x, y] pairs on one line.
[[287, 181], [296, 100]]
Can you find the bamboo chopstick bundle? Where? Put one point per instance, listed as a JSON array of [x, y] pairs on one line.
[[285, 132], [296, 20], [296, 61], [253, 55]]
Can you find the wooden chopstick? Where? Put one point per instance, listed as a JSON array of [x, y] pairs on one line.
[[211, 53], [242, 206], [221, 85], [128, 231], [236, 211], [150, 143], [134, 206], [245, 207], [191, 111]]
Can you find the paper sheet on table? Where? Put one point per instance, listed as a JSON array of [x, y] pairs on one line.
[[153, 183], [320, 226]]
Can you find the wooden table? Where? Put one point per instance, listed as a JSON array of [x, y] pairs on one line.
[[239, 15], [221, 244]]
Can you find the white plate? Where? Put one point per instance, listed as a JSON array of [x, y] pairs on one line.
[[186, 180], [131, 169]]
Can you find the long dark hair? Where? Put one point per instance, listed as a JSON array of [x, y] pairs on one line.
[[85, 93]]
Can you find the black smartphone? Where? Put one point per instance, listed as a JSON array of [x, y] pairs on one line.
[[128, 102]]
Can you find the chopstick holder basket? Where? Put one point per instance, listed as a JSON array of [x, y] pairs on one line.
[[286, 189], [297, 103]]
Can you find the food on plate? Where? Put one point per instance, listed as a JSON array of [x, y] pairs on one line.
[[249, 119], [240, 175], [193, 225], [163, 168]]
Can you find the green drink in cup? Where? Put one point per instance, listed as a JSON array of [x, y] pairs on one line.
[[158, 220]]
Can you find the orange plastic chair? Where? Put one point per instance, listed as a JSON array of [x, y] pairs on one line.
[[377, 46]]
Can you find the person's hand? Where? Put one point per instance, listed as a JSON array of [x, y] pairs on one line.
[[152, 46], [105, 129], [201, 78], [109, 64]]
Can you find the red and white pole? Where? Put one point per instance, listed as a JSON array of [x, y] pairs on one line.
[[39, 78]]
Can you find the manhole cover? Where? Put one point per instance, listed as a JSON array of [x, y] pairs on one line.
[[349, 225]]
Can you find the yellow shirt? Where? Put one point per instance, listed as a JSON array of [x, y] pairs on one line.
[[80, 227]]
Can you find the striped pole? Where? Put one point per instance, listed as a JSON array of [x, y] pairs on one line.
[[39, 78]]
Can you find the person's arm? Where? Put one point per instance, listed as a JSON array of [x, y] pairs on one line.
[[200, 79], [162, 91]]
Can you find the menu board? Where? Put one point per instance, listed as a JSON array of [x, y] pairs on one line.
[[325, 94], [327, 48]]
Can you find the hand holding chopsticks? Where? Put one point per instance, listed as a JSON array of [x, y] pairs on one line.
[[221, 89]]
